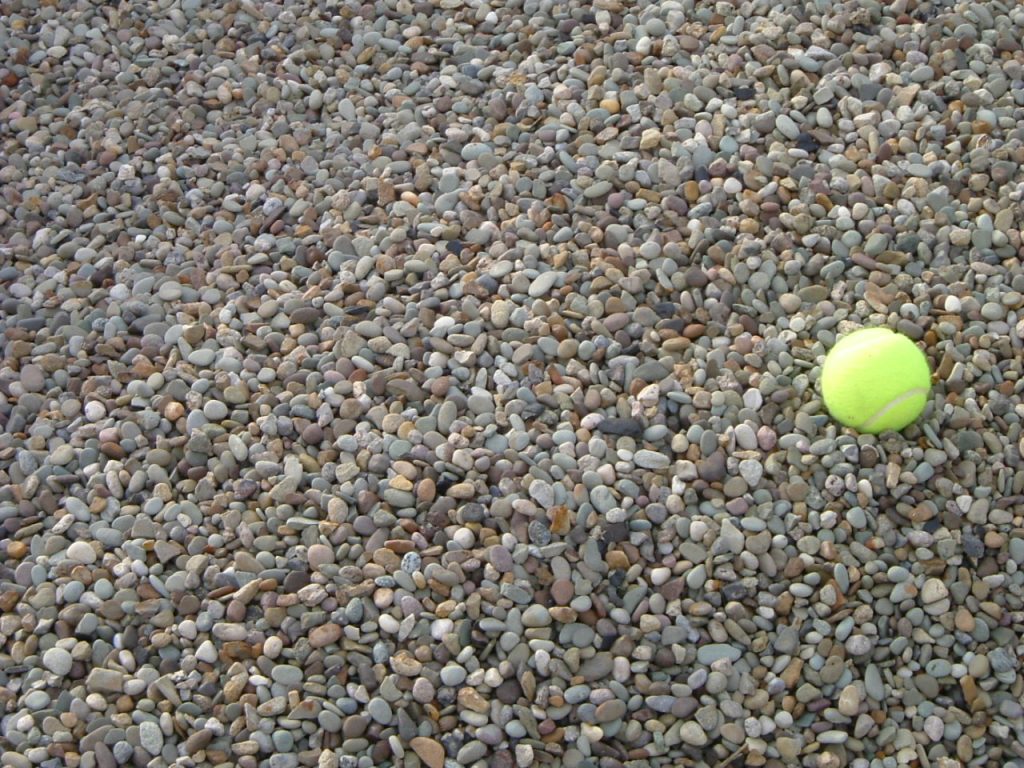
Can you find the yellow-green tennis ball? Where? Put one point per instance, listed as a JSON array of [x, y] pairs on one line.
[[874, 380]]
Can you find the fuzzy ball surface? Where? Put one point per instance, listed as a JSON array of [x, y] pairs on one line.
[[875, 380]]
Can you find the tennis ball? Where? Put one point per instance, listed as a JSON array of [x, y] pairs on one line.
[[874, 380]]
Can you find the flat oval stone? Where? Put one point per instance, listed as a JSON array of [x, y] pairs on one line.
[[651, 459], [708, 654], [543, 283]]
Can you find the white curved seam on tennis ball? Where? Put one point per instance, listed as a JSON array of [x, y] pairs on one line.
[[893, 404]]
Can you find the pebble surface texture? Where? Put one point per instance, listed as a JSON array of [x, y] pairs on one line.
[[437, 384]]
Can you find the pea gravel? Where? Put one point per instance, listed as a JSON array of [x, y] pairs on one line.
[[436, 384]]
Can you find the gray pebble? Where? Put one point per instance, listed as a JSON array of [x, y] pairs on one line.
[[58, 661]]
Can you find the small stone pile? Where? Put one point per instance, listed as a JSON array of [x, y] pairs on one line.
[[436, 384]]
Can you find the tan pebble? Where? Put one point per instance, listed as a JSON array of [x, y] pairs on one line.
[[462, 491], [471, 700], [969, 688], [650, 138], [562, 591], [386, 558], [617, 559], [426, 490], [965, 748], [319, 554], [559, 518], [429, 751], [324, 635], [528, 683], [959, 236], [964, 620], [439, 387], [405, 664], [309, 464], [791, 674], [788, 748], [691, 733], [733, 733], [235, 611], [16, 549], [405, 469], [445, 609], [994, 540], [921, 513], [400, 483], [849, 700], [233, 688], [649, 623], [565, 615], [400, 546]]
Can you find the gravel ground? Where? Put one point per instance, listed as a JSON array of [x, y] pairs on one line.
[[437, 383]]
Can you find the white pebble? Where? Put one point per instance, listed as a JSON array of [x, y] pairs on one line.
[[439, 628], [94, 410], [272, 647], [464, 538], [934, 727], [57, 660], [206, 652], [660, 575], [82, 552]]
